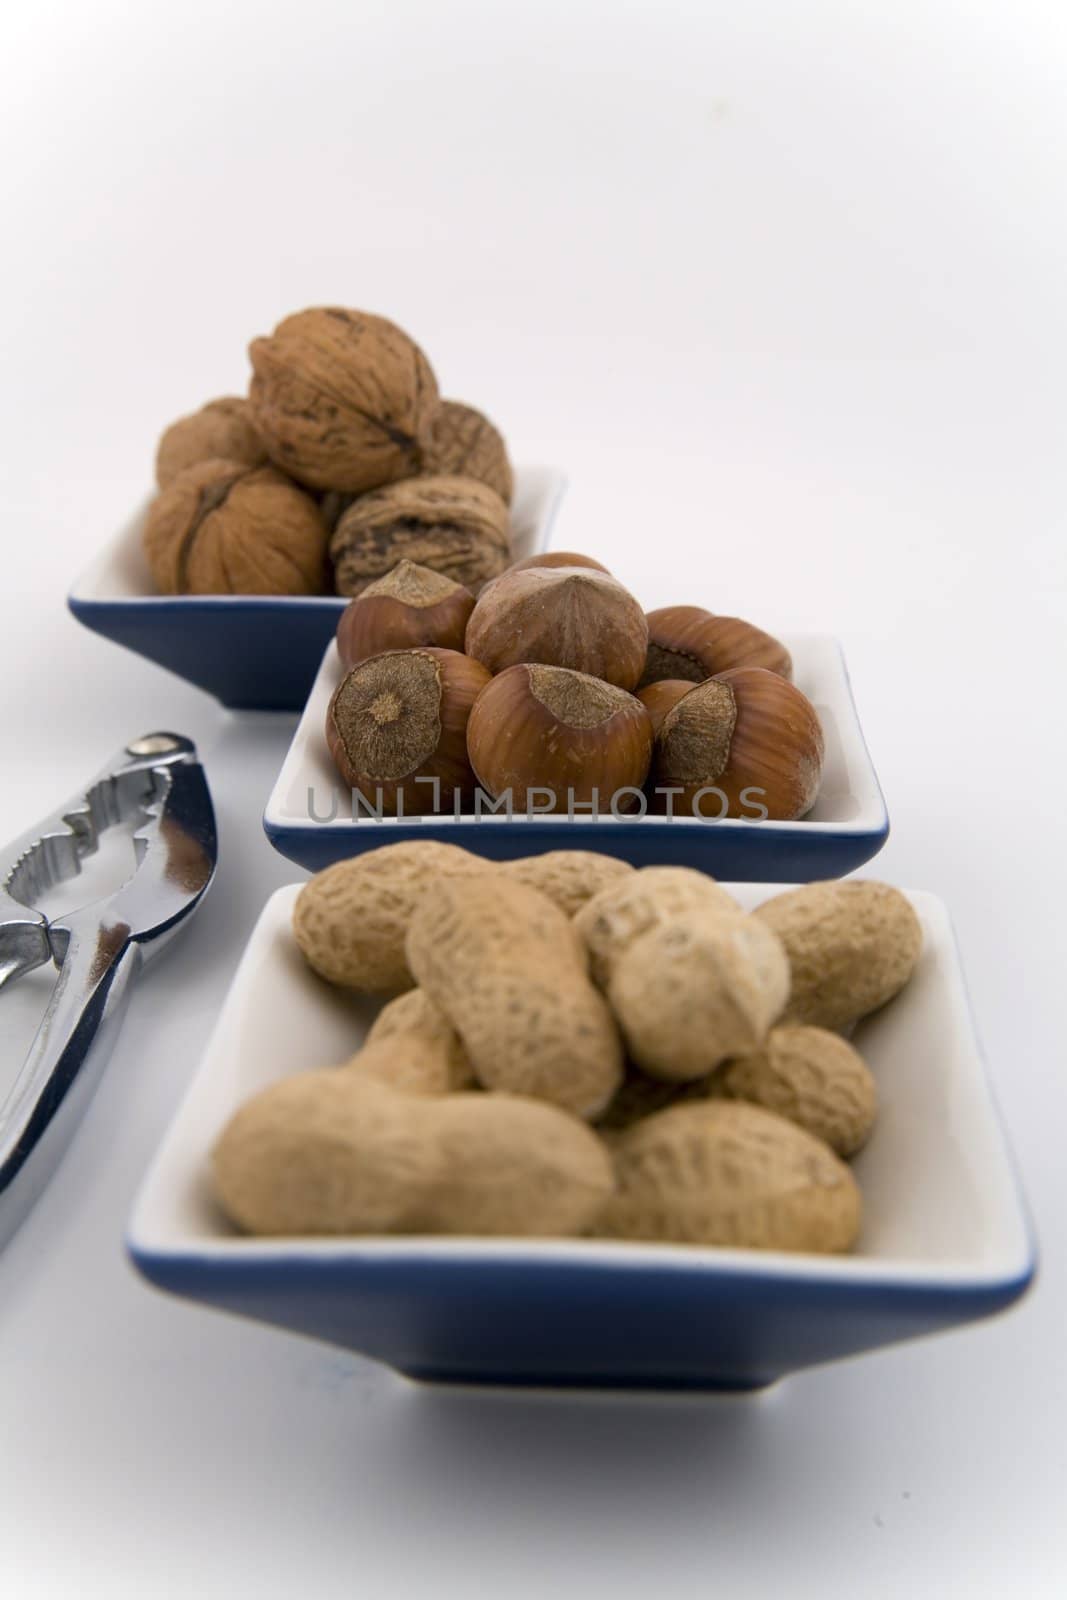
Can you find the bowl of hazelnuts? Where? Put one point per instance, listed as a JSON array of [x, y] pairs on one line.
[[550, 710], [274, 508]]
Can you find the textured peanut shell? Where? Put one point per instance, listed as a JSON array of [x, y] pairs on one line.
[[412, 1045], [342, 399], [506, 967], [465, 444], [691, 992], [351, 920], [733, 1175], [455, 526], [331, 1152], [224, 528], [570, 878], [611, 921], [811, 1077], [851, 946], [222, 430]]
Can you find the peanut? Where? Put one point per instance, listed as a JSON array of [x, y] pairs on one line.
[[722, 1173], [569, 877], [811, 1077], [851, 946], [508, 970], [413, 1046], [694, 991], [611, 921], [330, 1152]]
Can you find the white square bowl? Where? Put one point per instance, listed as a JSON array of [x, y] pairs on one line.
[[945, 1238], [252, 652], [309, 815]]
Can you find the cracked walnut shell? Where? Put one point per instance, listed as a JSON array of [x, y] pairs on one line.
[[455, 526], [343, 399], [226, 528]]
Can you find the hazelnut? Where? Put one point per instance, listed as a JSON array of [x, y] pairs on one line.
[[453, 525], [342, 399], [571, 617], [660, 697], [398, 720], [409, 606], [464, 444], [689, 642], [743, 741], [538, 731], [225, 528], [220, 431], [558, 558]]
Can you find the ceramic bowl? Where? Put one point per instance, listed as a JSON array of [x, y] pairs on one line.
[[252, 652], [309, 816], [945, 1238]]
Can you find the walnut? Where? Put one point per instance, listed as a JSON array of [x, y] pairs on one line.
[[223, 527], [344, 400], [465, 443], [456, 526], [220, 431]]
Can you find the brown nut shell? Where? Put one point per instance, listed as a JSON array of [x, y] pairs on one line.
[[573, 617], [660, 697], [397, 729], [811, 1077], [410, 606], [225, 528], [558, 558], [222, 430], [455, 526], [556, 738], [851, 946], [715, 1173], [689, 642], [744, 741], [342, 399], [465, 444]]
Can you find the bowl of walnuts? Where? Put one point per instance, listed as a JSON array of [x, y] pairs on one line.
[[274, 508], [560, 1122]]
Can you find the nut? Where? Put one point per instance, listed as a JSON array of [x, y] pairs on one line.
[[570, 878], [410, 606], [660, 697], [689, 642], [396, 726], [743, 743], [557, 558], [571, 617], [506, 967], [456, 526], [342, 399], [691, 992], [810, 1077], [330, 1152], [556, 739], [622, 912], [465, 444], [412, 1046], [220, 431], [731, 1175], [851, 946], [351, 920], [225, 528]]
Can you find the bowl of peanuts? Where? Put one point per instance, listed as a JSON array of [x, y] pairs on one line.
[[561, 1123]]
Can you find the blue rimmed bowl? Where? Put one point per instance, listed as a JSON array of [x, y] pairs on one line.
[[945, 1238], [310, 816], [252, 652]]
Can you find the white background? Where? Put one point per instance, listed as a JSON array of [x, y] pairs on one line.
[[783, 287]]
